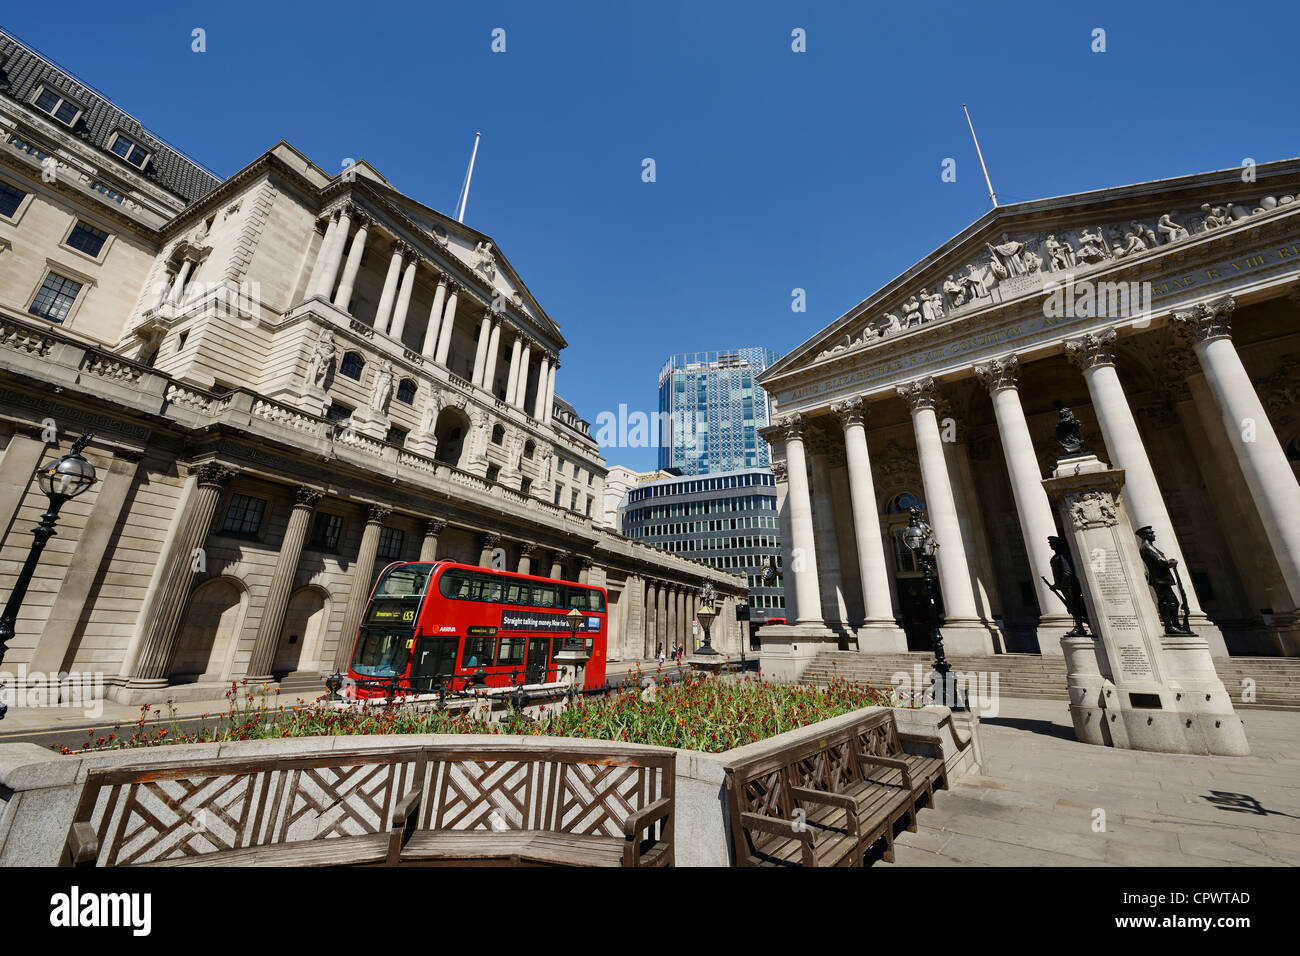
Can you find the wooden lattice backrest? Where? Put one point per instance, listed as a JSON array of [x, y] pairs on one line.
[[165, 811], [878, 736], [570, 791]]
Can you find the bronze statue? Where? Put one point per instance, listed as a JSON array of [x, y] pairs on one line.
[[1162, 575], [1065, 585], [1069, 433]]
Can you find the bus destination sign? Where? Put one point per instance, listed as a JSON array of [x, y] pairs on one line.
[[392, 612]]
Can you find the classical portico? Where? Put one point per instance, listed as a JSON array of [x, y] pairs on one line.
[[1175, 350]]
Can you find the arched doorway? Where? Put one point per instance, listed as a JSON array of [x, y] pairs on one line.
[[450, 431], [909, 580], [303, 630], [208, 633]]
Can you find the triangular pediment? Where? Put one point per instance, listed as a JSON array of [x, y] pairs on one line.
[[1028, 248]]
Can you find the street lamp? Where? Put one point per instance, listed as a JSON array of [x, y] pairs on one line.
[[575, 619], [706, 614], [919, 537], [61, 480]]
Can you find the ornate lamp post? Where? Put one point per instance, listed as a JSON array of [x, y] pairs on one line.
[[61, 480], [919, 537], [575, 619]]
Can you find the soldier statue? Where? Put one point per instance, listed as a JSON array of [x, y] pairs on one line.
[[1069, 433], [1065, 584], [1162, 575]]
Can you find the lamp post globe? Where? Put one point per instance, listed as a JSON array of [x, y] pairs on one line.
[[61, 480]]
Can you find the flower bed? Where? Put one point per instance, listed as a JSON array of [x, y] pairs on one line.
[[698, 713]]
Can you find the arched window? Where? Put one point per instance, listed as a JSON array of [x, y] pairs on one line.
[[498, 434], [904, 502], [352, 365], [406, 391]]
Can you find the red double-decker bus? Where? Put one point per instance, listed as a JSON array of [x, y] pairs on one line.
[[440, 624]]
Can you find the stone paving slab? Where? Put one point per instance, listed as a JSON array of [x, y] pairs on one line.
[[1033, 804]]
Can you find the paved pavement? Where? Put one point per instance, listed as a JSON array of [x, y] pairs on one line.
[[1044, 799]]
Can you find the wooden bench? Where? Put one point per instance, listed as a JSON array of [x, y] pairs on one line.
[[825, 802], [330, 809], [540, 805]]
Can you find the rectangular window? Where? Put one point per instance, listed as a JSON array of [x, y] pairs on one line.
[[493, 473], [10, 199], [244, 516], [338, 412], [55, 299], [87, 238], [61, 108], [325, 533], [396, 436], [131, 151], [525, 486], [390, 543]]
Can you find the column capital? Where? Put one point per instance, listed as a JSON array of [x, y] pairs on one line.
[[852, 411], [491, 539], [378, 514], [454, 287], [1092, 350], [215, 473], [789, 427], [559, 554], [586, 561], [443, 278], [434, 526], [526, 548], [919, 393], [779, 471], [999, 374], [306, 497], [1205, 321]]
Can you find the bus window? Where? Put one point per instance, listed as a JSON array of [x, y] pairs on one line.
[[488, 589], [382, 652], [544, 595], [478, 652], [434, 659], [511, 651], [455, 584], [517, 592], [408, 580]]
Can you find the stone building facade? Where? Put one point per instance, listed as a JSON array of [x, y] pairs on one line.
[[293, 378], [1165, 315]]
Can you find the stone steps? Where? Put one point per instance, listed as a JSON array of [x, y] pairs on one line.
[[1276, 679]]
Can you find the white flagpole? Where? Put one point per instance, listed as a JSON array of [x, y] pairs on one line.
[[464, 193], [987, 181]]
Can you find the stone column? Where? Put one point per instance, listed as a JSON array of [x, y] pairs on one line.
[[781, 475], [526, 557], [480, 348], [359, 587], [512, 377], [954, 573], [429, 547], [648, 630], [549, 407], [670, 632], [1273, 486], [1094, 355], [84, 564], [1034, 511], [521, 387], [448, 324], [21, 459], [494, 348], [398, 324], [557, 565], [880, 631], [661, 617], [322, 274], [834, 607], [343, 297], [430, 348], [175, 583], [183, 276], [584, 570], [389, 295], [803, 547], [490, 541], [543, 376], [277, 595]]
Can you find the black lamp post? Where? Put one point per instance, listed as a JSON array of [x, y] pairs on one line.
[[61, 480], [919, 537], [706, 615], [575, 620]]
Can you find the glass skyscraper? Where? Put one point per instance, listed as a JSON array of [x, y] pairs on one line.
[[713, 407]]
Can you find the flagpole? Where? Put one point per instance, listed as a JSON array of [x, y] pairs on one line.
[[469, 175], [987, 181]]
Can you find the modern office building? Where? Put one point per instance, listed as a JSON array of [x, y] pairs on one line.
[[714, 407], [289, 378], [729, 521]]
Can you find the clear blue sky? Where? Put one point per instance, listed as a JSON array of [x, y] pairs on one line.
[[775, 169]]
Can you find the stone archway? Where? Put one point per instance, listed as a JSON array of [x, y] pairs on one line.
[[209, 632], [303, 632], [452, 433]]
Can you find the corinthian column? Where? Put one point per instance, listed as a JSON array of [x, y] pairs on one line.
[[429, 547], [1273, 486], [323, 272], [543, 378], [1094, 355], [954, 573], [448, 325], [403, 306], [430, 348], [343, 297], [1034, 511], [174, 586], [277, 595], [512, 376], [803, 545], [880, 631], [386, 298], [359, 587]]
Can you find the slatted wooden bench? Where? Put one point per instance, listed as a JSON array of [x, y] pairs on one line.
[[330, 809], [884, 740], [540, 805]]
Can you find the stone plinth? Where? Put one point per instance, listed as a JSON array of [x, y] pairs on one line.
[[786, 649], [1131, 686]]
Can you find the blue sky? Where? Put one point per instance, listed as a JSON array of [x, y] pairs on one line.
[[775, 169]]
